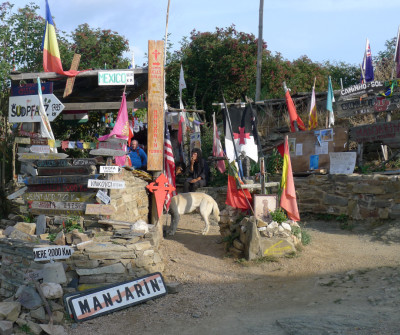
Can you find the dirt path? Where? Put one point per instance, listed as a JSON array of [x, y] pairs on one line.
[[342, 283]]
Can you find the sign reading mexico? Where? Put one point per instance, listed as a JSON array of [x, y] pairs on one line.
[[116, 78], [26, 108], [49, 253]]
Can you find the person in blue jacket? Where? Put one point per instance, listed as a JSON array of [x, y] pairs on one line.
[[138, 156]]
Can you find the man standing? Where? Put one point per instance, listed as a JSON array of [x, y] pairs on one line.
[[138, 156]]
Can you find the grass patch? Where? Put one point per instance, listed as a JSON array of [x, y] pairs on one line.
[[292, 254], [305, 237], [266, 259]]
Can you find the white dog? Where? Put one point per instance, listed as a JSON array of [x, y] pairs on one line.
[[185, 203]]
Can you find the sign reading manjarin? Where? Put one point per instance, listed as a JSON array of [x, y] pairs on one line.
[[111, 298], [116, 77]]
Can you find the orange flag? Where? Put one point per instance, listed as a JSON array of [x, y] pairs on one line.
[[288, 197], [293, 113]]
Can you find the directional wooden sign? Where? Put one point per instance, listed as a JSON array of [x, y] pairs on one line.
[[59, 196], [107, 184], [31, 89], [78, 206], [40, 149], [107, 152], [23, 140], [110, 169], [39, 141], [103, 196], [26, 108], [359, 89], [59, 188], [59, 179], [98, 209], [33, 156], [28, 168], [114, 145], [67, 162], [111, 298], [44, 211], [87, 161], [17, 193], [67, 170], [49, 253]]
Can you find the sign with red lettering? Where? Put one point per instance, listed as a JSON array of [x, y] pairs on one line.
[[155, 114]]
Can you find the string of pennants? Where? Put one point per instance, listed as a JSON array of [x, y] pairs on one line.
[[56, 143]]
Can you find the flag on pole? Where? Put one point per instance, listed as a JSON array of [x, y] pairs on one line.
[[292, 112], [235, 197], [288, 197], [217, 148], [329, 104], [169, 165], [51, 52], [121, 128], [312, 120], [45, 127], [397, 54], [367, 67], [182, 85]]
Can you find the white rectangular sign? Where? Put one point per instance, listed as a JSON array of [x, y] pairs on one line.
[[119, 77], [48, 253], [40, 149], [108, 184], [103, 196], [26, 108], [342, 162], [110, 169]]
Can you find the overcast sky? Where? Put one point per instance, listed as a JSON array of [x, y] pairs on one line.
[[334, 30]]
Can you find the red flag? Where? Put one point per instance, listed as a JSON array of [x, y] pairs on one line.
[[217, 148], [130, 135], [235, 197], [180, 129], [169, 166], [288, 197], [293, 113]]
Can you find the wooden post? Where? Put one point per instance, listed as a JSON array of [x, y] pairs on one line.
[[259, 50], [262, 176], [71, 80]]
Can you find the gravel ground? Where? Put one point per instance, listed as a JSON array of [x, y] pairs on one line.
[[344, 282]]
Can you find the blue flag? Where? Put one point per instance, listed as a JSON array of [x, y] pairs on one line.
[[367, 68]]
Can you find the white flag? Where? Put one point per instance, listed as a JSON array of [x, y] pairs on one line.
[[182, 85]]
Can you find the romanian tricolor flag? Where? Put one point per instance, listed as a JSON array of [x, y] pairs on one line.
[[288, 197], [51, 53]]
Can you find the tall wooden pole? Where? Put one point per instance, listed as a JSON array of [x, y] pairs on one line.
[[259, 51]]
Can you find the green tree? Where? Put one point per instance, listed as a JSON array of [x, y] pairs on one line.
[[384, 65]]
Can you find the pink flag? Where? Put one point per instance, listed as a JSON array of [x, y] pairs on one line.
[[217, 148], [121, 128]]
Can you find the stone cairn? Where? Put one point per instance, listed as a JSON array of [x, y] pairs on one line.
[[254, 238]]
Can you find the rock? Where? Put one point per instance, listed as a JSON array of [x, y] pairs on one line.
[[286, 226], [82, 245], [261, 223], [9, 310], [40, 224], [28, 297], [58, 317], [38, 314], [252, 246], [173, 288], [140, 226], [55, 306], [60, 238], [273, 225], [34, 327], [54, 329], [114, 268], [26, 227], [238, 245], [6, 327], [54, 273], [52, 290], [276, 246], [8, 230], [20, 235], [236, 252], [78, 237]]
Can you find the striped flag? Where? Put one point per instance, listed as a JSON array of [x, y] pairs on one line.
[[169, 165], [313, 121]]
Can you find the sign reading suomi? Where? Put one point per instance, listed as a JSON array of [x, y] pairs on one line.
[[116, 77]]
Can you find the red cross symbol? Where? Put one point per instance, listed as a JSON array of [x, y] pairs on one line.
[[156, 53], [241, 135], [161, 188]]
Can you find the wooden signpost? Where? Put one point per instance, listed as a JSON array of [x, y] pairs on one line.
[[18, 193], [59, 188], [359, 89], [67, 170], [106, 184], [59, 179], [155, 114], [75, 206], [110, 169], [98, 209], [59, 196], [33, 156]]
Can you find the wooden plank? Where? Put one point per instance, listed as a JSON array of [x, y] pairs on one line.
[[40, 149], [76, 206], [69, 162], [52, 163], [59, 196], [360, 89], [28, 168], [87, 161], [155, 115], [71, 80], [386, 132], [37, 211], [31, 89], [34, 156], [59, 179], [23, 140], [107, 152], [59, 188], [113, 145], [67, 170], [18, 193], [106, 184], [98, 209], [39, 141], [106, 105]]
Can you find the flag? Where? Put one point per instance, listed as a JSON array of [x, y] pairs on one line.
[[288, 197], [293, 114], [169, 165], [51, 53], [397, 54], [130, 135], [121, 128], [182, 85], [217, 148], [389, 91], [367, 68], [243, 133], [329, 107], [312, 120], [181, 128], [235, 196], [45, 127]]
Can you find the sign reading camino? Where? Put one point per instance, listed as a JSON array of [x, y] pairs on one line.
[[112, 298]]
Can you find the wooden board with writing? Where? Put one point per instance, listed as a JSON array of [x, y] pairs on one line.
[[59, 188], [60, 179], [97, 209], [33, 156], [59, 196], [67, 170], [71, 205], [45, 211], [107, 152]]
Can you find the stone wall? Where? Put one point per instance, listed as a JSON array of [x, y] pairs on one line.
[[360, 197]]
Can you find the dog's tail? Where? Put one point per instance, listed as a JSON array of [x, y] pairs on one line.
[[216, 210]]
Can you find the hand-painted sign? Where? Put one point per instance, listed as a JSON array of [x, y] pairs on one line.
[[103, 196], [359, 89], [66, 162], [75, 206], [107, 152], [119, 77], [111, 145], [110, 169], [342, 162], [17, 193], [385, 132], [23, 140], [59, 188], [40, 149], [49, 253], [45, 211], [98, 209], [31, 89], [117, 296], [32, 156], [28, 168], [59, 196], [59, 179], [26, 108], [67, 170], [108, 184]]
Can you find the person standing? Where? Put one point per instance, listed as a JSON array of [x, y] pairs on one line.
[[198, 172], [137, 156]]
